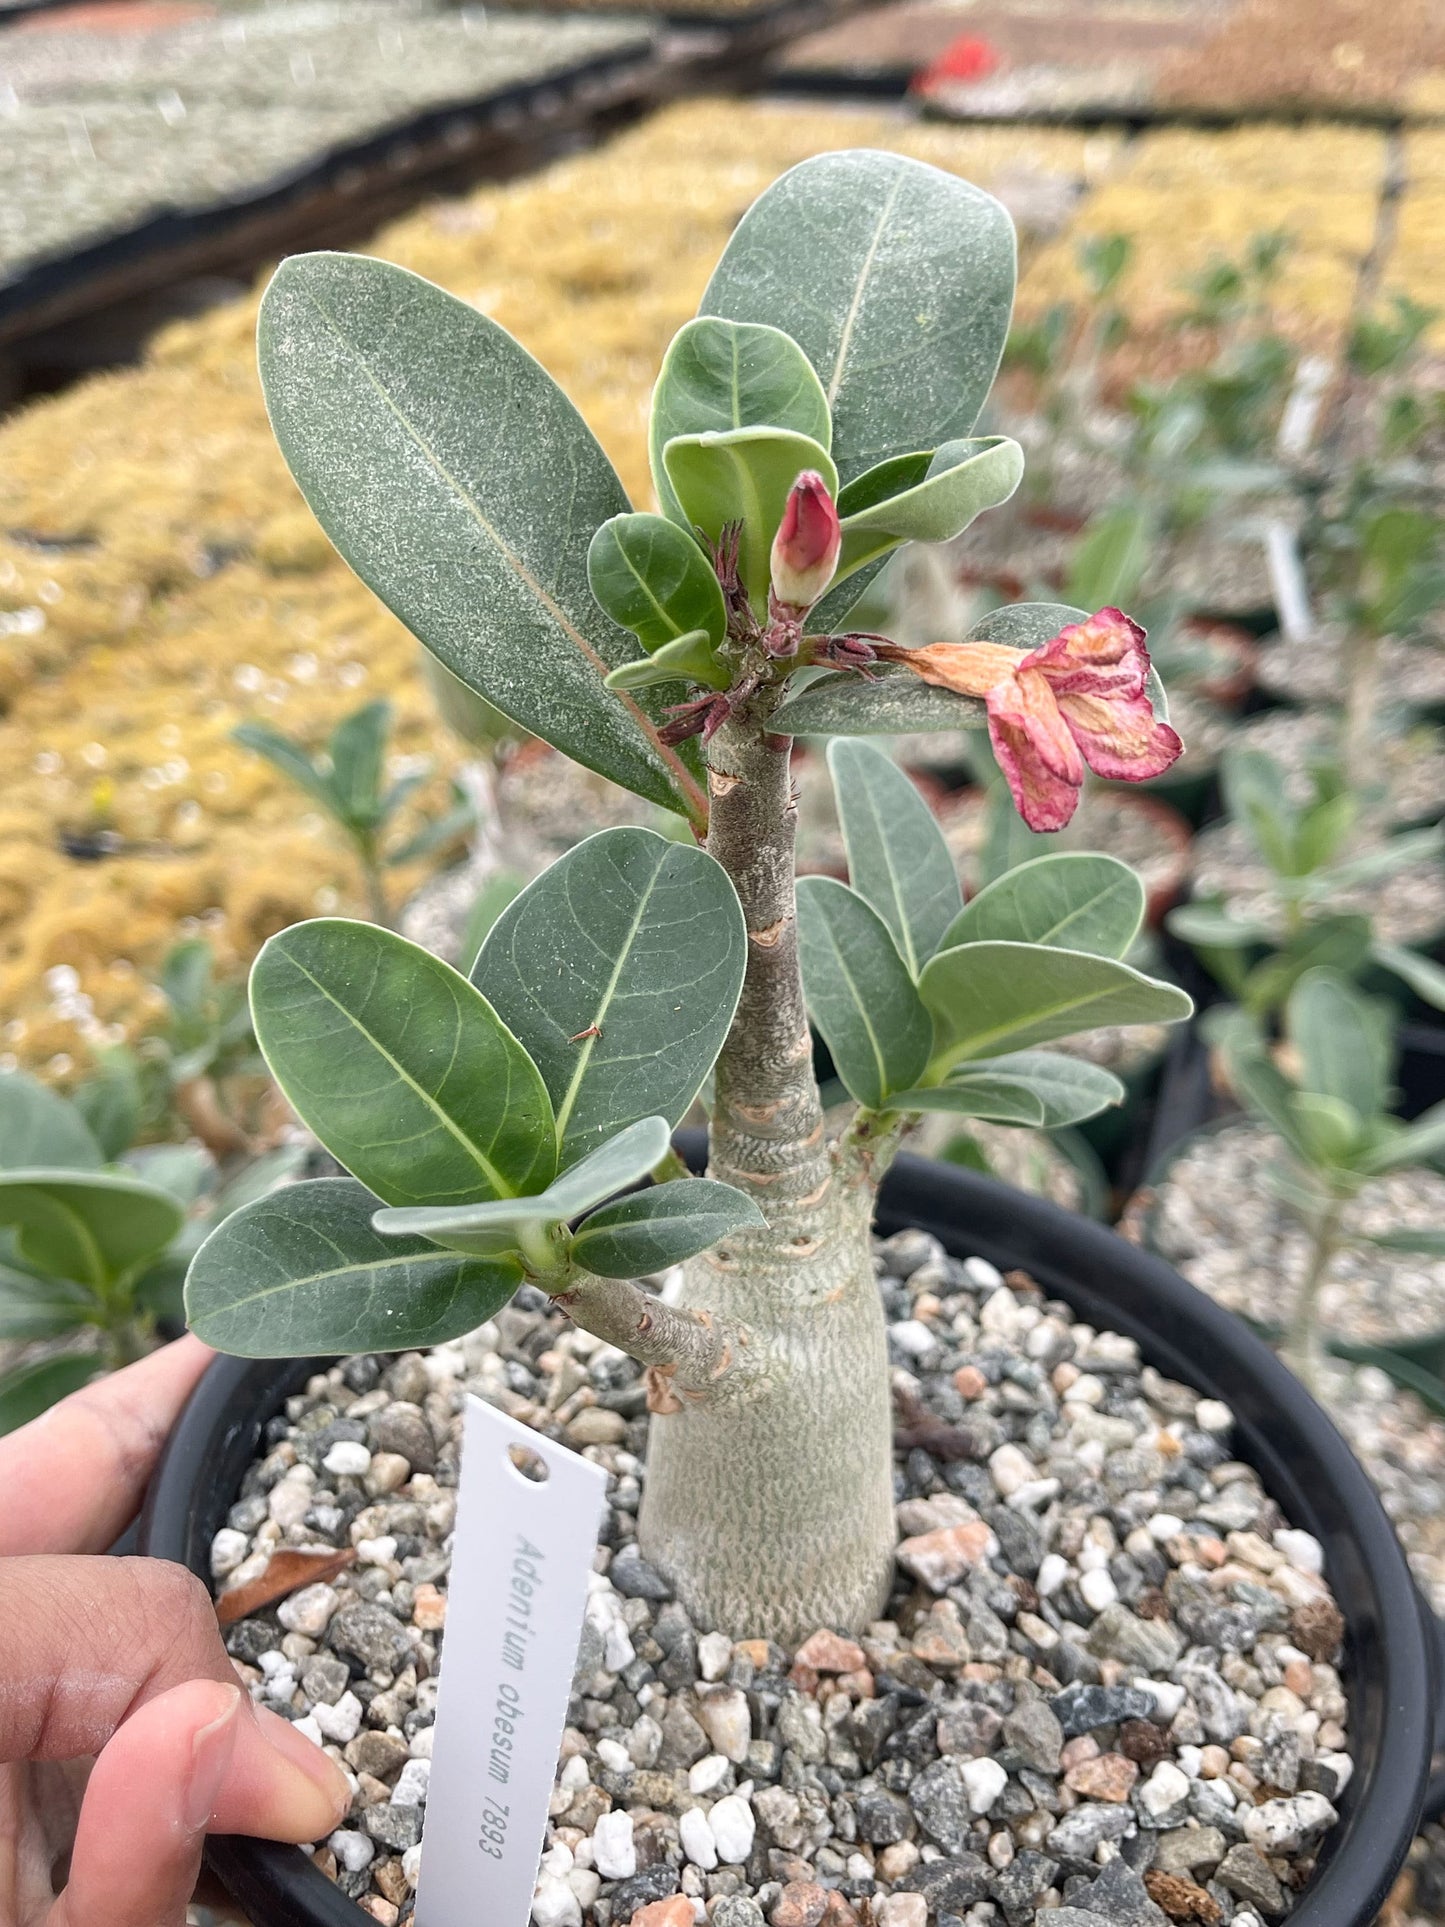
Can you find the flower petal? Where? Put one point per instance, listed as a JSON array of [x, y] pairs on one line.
[[1103, 656], [1120, 737], [1038, 756]]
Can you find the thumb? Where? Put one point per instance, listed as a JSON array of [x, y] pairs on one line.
[[192, 1760]]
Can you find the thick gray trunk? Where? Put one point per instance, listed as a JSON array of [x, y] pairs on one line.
[[769, 1499]]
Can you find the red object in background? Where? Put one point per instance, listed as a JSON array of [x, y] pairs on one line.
[[967, 58]]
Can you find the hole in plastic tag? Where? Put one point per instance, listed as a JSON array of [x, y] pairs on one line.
[[528, 1512]]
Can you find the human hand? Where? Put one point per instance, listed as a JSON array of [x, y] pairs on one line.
[[121, 1659]]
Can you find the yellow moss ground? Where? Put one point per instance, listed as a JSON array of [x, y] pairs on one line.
[[160, 578]]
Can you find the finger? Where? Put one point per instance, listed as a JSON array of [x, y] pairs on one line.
[[74, 1478], [192, 1760]]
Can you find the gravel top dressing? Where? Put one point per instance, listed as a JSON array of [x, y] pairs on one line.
[[1106, 1683]]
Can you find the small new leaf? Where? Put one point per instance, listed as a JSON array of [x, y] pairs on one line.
[[860, 993], [661, 1226]]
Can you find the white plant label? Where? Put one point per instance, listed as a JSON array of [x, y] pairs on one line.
[[515, 1604]]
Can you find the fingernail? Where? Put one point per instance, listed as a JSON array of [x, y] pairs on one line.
[[211, 1748], [315, 1791]]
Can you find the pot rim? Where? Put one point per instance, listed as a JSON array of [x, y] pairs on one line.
[[1305, 1464]]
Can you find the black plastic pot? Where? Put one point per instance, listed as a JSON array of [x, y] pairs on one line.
[[1391, 1663]]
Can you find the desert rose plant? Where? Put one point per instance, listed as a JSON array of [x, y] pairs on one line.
[[815, 416]]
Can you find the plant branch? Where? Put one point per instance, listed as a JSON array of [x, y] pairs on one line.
[[1304, 1348], [690, 1354]]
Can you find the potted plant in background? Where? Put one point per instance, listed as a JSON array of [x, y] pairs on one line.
[[497, 1128]]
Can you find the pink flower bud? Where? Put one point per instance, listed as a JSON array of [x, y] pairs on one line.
[[806, 546]]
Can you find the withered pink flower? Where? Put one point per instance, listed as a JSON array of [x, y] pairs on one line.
[[807, 544], [1077, 699]]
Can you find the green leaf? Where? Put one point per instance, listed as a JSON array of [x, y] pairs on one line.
[[894, 278], [358, 758], [1263, 1089], [187, 974], [859, 992], [1335, 943], [991, 997], [1412, 847], [1026, 625], [1070, 901], [743, 475], [888, 701], [688, 659], [1343, 1040], [402, 1069], [39, 1126], [91, 1227], [884, 482], [1320, 831], [503, 1224], [500, 889], [32, 1389], [302, 1271], [288, 757], [718, 375], [1254, 795], [110, 1102], [963, 479], [1422, 974], [1032, 1087], [1328, 1128], [1419, 1143], [1109, 559], [1425, 1243], [463, 487], [651, 576], [32, 1308], [1214, 926], [661, 1226], [182, 1171], [897, 857], [619, 969]]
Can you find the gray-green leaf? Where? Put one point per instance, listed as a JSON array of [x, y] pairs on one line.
[[619, 969], [1032, 1087], [32, 1389], [894, 278], [992, 997], [39, 1126], [963, 479], [303, 1271], [652, 577], [1421, 974], [33, 1308], [661, 1226], [888, 701], [1344, 1042], [400, 1066], [859, 992], [718, 375], [1069, 901], [897, 857], [94, 1227], [743, 475], [463, 487]]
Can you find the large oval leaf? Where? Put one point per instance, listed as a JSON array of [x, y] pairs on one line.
[[743, 476], [619, 969], [1344, 1040], [302, 1271], [661, 1226], [652, 577], [859, 992], [888, 701], [894, 278], [463, 487], [401, 1068], [504, 1224], [897, 857], [962, 480], [1033, 1087], [731, 374], [992, 997], [1069, 901], [95, 1227], [39, 1126]]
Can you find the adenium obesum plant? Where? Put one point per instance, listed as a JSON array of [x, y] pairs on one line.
[[816, 415]]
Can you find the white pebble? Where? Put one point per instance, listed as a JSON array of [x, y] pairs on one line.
[[985, 1780], [902, 1910], [272, 1663], [1167, 1697], [411, 1865], [1164, 1526], [1011, 1468], [714, 1655], [1165, 1788], [1053, 1571], [290, 1499], [574, 1775], [228, 1549], [1097, 1589], [619, 1652], [913, 1337], [1302, 1549], [309, 1727], [1341, 1765], [696, 1835], [411, 1784], [614, 1756], [982, 1275], [340, 1723], [376, 1552], [1213, 1415], [554, 1904], [1000, 1313], [1086, 1390], [348, 1459], [308, 1611], [1283, 1826], [420, 1744], [613, 1848], [733, 1827], [1191, 1761], [727, 1720], [352, 1849], [586, 1885], [708, 1774]]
